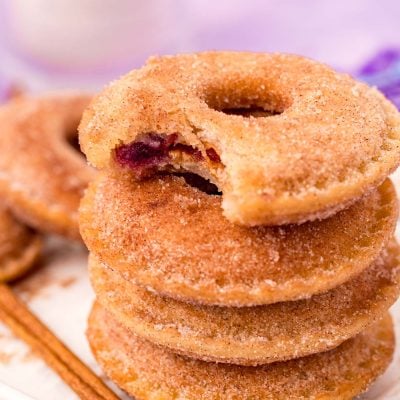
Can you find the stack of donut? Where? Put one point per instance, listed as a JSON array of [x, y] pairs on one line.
[[241, 229]]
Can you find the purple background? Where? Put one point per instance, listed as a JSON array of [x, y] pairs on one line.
[[86, 43]]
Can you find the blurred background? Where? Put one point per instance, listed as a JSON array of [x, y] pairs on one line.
[[50, 44]]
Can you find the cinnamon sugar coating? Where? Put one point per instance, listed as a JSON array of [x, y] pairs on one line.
[[172, 238], [328, 139], [147, 372], [253, 335], [42, 177], [20, 246]]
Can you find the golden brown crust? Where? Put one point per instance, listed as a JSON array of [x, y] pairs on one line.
[[42, 177], [253, 335], [332, 140], [147, 372], [172, 238], [20, 247]]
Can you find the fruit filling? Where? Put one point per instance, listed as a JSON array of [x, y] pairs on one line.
[[153, 151]]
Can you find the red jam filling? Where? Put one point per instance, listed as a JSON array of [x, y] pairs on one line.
[[213, 155], [184, 148], [153, 151], [146, 154]]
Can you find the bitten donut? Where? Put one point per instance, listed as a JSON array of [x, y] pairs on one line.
[[149, 372], [284, 138], [20, 246], [172, 238], [253, 335], [42, 176]]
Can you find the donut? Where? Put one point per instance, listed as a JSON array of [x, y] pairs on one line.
[[253, 335], [284, 138], [146, 371], [20, 246], [172, 238], [42, 176]]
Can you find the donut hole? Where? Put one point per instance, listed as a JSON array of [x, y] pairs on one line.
[[248, 97], [252, 111], [73, 141], [72, 138], [199, 183]]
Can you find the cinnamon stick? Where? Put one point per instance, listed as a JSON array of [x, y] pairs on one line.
[[71, 369]]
